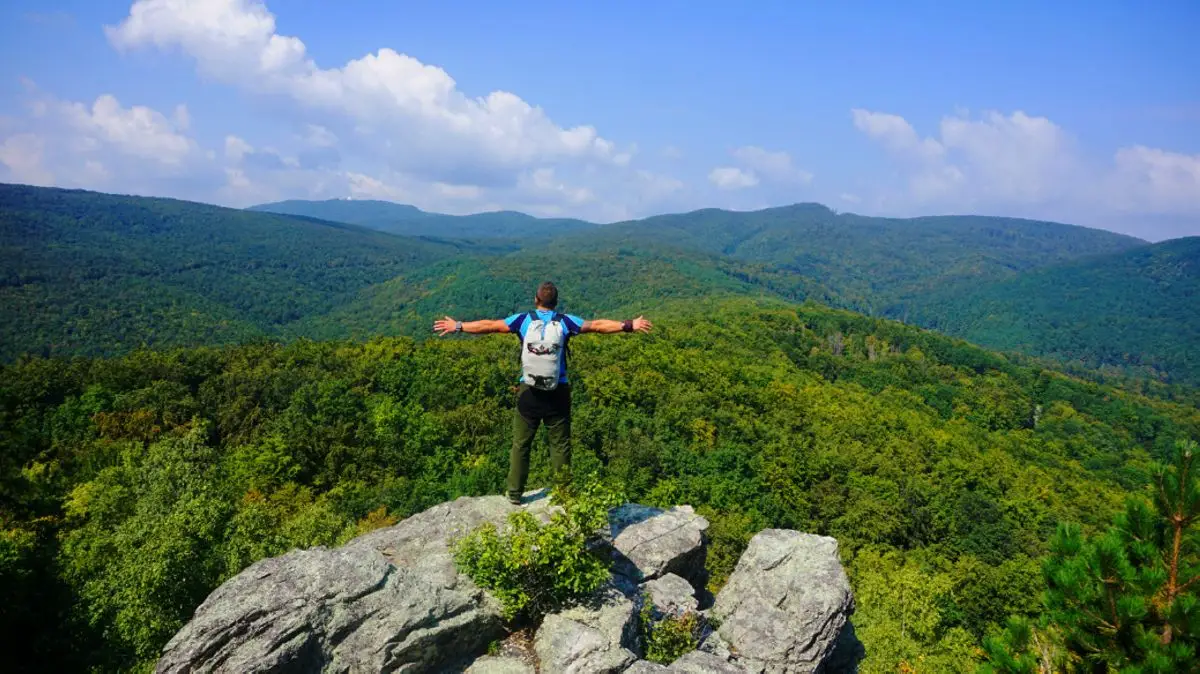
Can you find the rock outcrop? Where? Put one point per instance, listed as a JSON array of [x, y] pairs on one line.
[[392, 600], [786, 604], [671, 595], [388, 600], [649, 542], [596, 637]]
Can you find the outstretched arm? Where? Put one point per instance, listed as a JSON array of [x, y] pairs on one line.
[[607, 327], [448, 325]]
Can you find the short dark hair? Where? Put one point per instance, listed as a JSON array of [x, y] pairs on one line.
[[547, 295]]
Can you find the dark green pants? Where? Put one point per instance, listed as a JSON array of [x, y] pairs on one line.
[[552, 408]]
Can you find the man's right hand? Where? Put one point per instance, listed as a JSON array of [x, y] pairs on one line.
[[444, 326]]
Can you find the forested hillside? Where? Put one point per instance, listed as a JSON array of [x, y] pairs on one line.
[[874, 265], [1011, 284], [594, 284], [96, 274], [406, 220], [130, 487], [1136, 311], [89, 273], [870, 264]]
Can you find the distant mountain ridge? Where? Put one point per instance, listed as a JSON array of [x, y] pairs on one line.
[[90, 273], [881, 266], [94, 274], [407, 220]]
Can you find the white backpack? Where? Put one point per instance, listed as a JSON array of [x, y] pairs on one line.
[[542, 351]]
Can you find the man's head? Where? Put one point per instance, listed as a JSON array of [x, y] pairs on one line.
[[547, 296]]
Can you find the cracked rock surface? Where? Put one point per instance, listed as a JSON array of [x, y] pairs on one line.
[[786, 603], [671, 595], [648, 542], [597, 637], [390, 600]]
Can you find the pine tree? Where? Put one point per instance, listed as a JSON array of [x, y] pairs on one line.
[[1125, 601]]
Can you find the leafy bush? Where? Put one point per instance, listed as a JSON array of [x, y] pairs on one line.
[[534, 568], [671, 636]]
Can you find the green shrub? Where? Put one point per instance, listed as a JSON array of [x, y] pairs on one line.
[[535, 568], [671, 636]]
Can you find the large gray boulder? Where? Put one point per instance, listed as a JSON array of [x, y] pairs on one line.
[[649, 542], [785, 605], [392, 600], [600, 636], [714, 644], [670, 595], [389, 600]]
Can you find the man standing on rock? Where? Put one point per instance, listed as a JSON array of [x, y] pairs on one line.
[[543, 396]]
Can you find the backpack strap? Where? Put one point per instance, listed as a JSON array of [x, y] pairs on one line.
[[562, 318], [525, 318]]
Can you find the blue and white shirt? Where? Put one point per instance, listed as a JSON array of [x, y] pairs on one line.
[[519, 323]]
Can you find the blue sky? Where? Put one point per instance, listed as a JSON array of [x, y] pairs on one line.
[[1081, 112]]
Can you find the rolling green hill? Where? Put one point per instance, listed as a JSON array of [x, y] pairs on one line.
[[592, 284], [403, 219], [875, 265], [1137, 310], [94, 273]]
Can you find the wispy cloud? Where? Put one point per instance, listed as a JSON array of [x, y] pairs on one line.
[[1013, 161]]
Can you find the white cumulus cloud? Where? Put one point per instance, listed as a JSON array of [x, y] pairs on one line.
[[236, 148], [138, 130], [1029, 165], [384, 125], [413, 113], [544, 181], [732, 178], [774, 166], [1157, 180], [895, 133], [101, 145], [21, 154]]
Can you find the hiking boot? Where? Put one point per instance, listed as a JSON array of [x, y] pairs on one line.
[[515, 500]]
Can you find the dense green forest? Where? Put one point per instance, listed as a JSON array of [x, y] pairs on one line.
[[1137, 310], [406, 220], [874, 265], [88, 273], [493, 287], [132, 486]]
